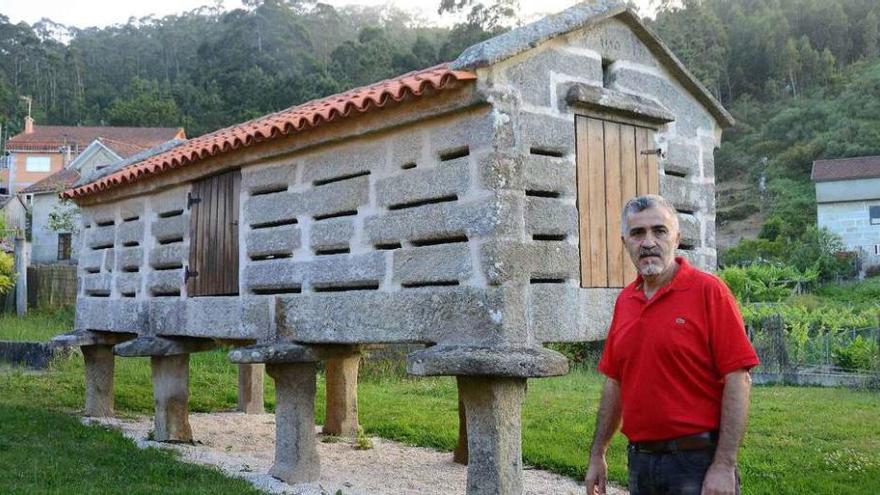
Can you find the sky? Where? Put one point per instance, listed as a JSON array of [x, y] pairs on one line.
[[101, 13]]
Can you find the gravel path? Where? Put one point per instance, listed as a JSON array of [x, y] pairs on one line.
[[242, 445]]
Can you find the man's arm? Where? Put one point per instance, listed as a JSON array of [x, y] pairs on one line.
[[607, 423], [720, 479]]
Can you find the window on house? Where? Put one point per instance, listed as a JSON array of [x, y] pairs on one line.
[[874, 214], [64, 246], [38, 164]]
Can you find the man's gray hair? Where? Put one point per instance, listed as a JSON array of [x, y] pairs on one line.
[[641, 203]]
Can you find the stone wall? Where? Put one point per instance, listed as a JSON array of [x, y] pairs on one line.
[[461, 228]]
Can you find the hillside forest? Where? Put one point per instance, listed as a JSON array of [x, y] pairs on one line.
[[801, 77]]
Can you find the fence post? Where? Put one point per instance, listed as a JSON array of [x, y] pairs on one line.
[[775, 327], [21, 276]]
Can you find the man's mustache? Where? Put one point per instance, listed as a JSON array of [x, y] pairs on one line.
[[644, 253]]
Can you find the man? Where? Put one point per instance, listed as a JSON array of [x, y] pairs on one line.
[[676, 361]]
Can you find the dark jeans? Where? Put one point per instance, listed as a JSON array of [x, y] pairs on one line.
[[675, 473]]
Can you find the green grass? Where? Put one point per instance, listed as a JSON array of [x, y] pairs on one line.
[[801, 440], [50, 452], [40, 325]]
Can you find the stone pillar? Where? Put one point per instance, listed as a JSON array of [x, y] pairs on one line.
[[342, 406], [99, 361], [460, 454], [250, 388], [493, 406], [296, 455], [171, 398]]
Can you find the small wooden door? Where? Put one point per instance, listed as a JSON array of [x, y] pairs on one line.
[[213, 253], [614, 163]]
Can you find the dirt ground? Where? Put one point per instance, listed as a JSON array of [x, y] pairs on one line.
[[242, 445]]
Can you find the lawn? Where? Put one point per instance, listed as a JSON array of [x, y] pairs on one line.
[[801, 440], [40, 325]]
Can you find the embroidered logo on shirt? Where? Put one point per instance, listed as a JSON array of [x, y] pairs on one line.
[[679, 321]]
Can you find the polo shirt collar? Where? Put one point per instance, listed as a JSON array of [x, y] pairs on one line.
[[680, 281]]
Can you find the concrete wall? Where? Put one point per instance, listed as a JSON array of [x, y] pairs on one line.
[[421, 232], [851, 222], [848, 190]]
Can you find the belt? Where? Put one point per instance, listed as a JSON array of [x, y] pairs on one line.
[[698, 441]]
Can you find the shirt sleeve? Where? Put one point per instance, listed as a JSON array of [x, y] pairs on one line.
[[731, 348], [608, 366]]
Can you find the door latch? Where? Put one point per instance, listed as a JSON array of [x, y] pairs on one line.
[[188, 274], [658, 151], [191, 200]]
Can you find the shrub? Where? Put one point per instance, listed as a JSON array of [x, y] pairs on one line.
[[860, 354]]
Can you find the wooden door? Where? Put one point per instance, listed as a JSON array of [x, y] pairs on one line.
[[615, 162], [213, 252]]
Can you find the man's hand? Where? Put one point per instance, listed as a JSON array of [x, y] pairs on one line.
[[720, 480], [597, 476]]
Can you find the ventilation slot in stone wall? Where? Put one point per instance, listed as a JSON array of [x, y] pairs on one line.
[[548, 237], [340, 178], [128, 294], [170, 240], [440, 240], [409, 165], [131, 269], [98, 293], [329, 252], [686, 247], [102, 246], [289, 289], [388, 246], [348, 213], [346, 287], [170, 214], [133, 218], [277, 256], [131, 244], [455, 153], [684, 211], [167, 267], [675, 173], [268, 190], [546, 152], [166, 293], [433, 283], [105, 223], [276, 223], [547, 281], [543, 194], [425, 202], [93, 269]]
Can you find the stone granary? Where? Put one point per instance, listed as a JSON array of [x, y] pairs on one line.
[[473, 207]]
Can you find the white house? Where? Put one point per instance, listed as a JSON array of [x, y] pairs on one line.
[[48, 245], [848, 203]]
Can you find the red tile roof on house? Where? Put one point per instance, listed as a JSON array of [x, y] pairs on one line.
[[863, 167], [59, 181], [290, 121], [52, 137]]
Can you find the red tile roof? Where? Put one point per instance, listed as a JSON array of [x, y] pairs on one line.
[[290, 121], [58, 181], [863, 167], [54, 136], [123, 149]]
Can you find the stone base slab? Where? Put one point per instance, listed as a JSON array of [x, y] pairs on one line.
[[514, 362]]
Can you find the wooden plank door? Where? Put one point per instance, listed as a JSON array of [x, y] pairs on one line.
[[213, 253], [614, 164]]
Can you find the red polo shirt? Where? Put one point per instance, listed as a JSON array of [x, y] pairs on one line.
[[670, 354]]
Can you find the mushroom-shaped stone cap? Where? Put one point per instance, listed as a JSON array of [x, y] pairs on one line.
[[514, 362]]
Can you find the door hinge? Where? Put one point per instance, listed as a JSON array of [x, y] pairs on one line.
[[188, 274], [192, 200], [658, 151]]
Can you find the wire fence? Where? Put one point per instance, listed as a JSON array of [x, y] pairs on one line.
[[784, 355]]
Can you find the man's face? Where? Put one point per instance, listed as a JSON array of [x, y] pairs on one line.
[[651, 240]]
